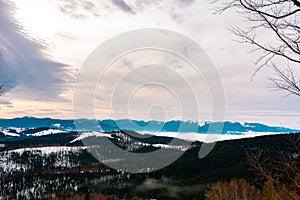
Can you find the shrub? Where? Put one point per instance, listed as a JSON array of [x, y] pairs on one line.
[[236, 189]]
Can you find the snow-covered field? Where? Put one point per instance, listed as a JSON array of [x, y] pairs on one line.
[[7, 163], [49, 150]]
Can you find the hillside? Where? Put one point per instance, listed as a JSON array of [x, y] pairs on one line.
[[59, 165]]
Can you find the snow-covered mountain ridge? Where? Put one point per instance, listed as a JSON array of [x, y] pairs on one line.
[[22, 126]]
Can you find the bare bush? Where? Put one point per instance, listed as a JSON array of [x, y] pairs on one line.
[[236, 189], [282, 170]]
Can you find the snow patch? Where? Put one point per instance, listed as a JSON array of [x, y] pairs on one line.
[[7, 133], [90, 134], [166, 146], [202, 123], [56, 125], [49, 150]]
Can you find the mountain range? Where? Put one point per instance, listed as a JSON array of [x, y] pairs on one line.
[[109, 125]]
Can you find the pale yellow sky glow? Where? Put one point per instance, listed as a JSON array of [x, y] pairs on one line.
[[69, 33]]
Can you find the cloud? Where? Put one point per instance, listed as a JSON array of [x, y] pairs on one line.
[[186, 2], [23, 65], [245, 100], [81, 9], [2, 102], [123, 6], [175, 8]]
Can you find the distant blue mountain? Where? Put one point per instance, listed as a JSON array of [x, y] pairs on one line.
[[109, 125], [32, 122]]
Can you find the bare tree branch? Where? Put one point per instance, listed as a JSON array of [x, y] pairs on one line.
[[284, 170], [286, 80], [259, 163], [296, 2], [281, 19]]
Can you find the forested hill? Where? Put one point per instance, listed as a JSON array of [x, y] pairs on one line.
[[59, 165]]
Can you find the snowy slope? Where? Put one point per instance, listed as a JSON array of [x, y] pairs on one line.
[[46, 132]]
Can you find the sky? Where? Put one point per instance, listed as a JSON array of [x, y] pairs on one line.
[[44, 45]]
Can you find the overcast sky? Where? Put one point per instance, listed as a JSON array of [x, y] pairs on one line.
[[44, 44]]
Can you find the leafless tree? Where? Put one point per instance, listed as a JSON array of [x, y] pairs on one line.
[[280, 19], [234, 189], [283, 170]]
